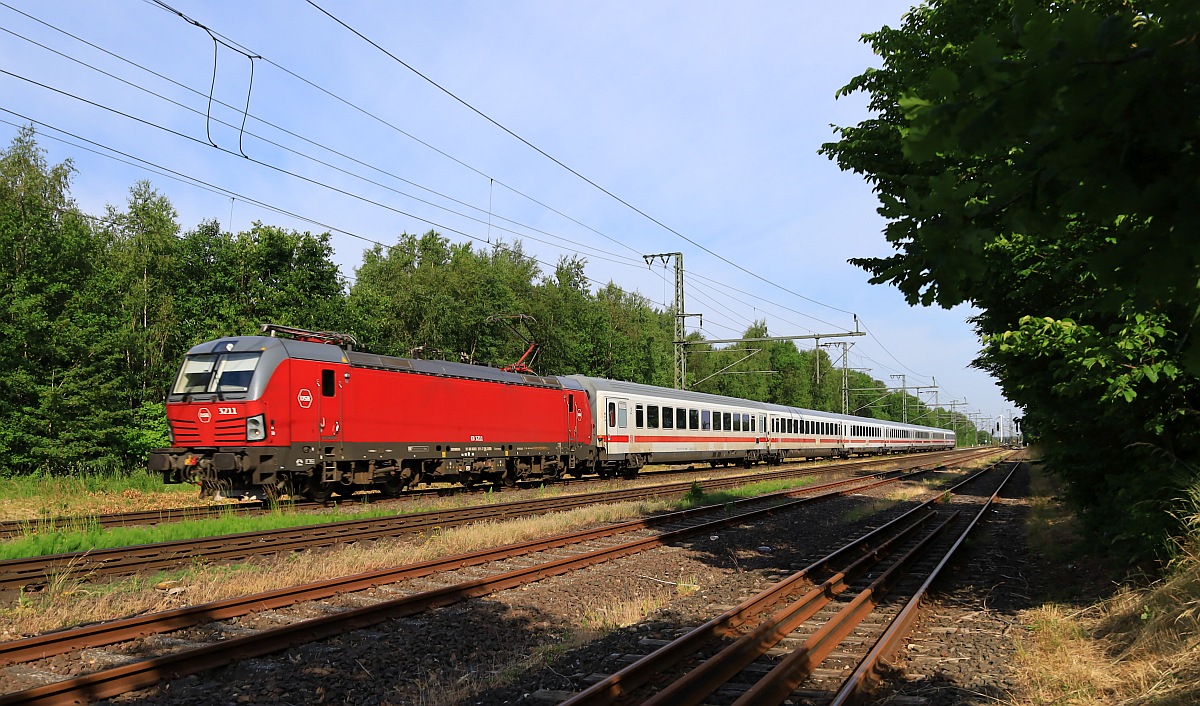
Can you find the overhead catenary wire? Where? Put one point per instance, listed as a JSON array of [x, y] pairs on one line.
[[394, 127], [268, 165], [596, 252], [715, 282], [168, 8], [537, 149]]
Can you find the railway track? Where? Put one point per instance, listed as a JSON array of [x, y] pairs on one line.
[[820, 635], [18, 528], [31, 573], [550, 557]]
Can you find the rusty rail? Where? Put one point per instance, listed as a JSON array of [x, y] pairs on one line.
[[111, 682], [31, 572], [700, 682]]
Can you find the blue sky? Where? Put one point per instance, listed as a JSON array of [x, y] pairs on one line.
[[705, 116]]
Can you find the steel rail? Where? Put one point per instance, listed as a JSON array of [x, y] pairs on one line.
[[106, 633], [698, 684], [118, 680], [34, 571], [17, 528], [20, 527], [641, 672], [867, 672], [794, 668]]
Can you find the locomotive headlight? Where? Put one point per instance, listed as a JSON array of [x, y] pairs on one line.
[[256, 429]]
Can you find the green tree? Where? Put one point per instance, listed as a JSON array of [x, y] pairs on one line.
[[1038, 161], [59, 398]]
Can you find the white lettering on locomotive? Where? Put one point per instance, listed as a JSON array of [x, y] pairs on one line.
[[226, 410]]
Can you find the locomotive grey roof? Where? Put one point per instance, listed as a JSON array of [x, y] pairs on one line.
[[594, 385], [290, 348]]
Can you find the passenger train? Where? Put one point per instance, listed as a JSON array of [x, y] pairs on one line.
[[302, 411]]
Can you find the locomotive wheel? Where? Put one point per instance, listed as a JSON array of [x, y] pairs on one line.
[[392, 486], [319, 492]]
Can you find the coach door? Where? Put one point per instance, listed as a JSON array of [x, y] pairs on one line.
[[616, 424], [329, 409]]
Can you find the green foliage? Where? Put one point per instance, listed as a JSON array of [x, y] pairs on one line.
[[95, 315], [1038, 161]]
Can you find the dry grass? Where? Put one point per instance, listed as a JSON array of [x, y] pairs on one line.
[[599, 616], [1140, 646], [66, 603], [70, 500]]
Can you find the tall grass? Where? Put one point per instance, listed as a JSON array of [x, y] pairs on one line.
[[82, 480], [1138, 646]]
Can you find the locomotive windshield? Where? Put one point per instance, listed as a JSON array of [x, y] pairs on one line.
[[224, 372]]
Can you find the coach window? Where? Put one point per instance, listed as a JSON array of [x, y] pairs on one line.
[[639, 416], [681, 418], [622, 415], [652, 416], [668, 418], [716, 421], [737, 422], [726, 421], [694, 419], [612, 415], [705, 420], [328, 386]]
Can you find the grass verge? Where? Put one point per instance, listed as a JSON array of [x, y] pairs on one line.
[[1138, 646], [41, 496], [68, 602]]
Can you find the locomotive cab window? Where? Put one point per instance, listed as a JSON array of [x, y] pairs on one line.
[[328, 386], [219, 373]]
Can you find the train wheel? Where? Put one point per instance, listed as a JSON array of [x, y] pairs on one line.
[[392, 486], [319, 492]]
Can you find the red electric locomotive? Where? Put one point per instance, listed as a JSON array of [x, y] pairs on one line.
[[256, 415]]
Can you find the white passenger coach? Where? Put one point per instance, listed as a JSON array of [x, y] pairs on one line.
[[640, 424]]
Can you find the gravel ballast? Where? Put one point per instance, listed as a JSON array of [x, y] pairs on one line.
[[531, 644]]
